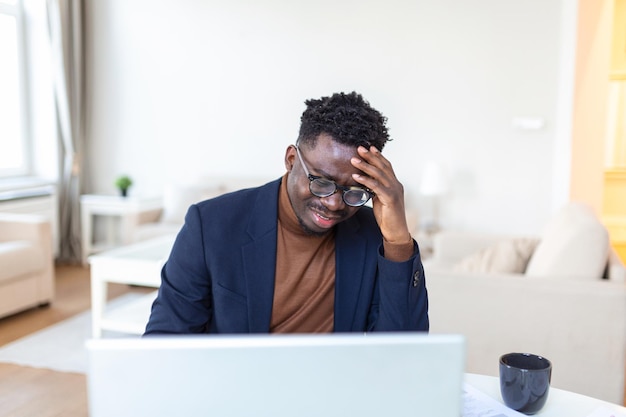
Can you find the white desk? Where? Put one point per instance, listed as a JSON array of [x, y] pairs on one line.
[[137, 264], [128, 209], [560, 403]]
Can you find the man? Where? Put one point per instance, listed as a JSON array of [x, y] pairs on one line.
[[301, 254]]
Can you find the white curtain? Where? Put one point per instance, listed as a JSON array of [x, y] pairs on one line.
[[65, 24]]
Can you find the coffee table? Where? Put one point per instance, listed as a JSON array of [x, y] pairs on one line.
[[136, 264]]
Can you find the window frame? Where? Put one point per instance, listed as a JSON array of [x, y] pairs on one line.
[[16, 10]]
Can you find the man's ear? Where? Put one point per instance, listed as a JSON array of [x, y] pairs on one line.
[[290, 157]]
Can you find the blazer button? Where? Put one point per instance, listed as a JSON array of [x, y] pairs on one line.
[[416, 278]]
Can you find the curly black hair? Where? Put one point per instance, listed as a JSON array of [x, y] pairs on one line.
[[347, 118]]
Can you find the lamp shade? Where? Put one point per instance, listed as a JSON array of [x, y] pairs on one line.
[[433, 181]]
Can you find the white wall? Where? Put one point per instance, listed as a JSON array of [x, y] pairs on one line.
[[193, 88]]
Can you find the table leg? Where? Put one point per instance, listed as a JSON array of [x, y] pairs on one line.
[[87, 235], [129, 224], [99, 289]]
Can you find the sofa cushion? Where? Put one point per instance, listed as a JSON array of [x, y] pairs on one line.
[[177, 198], [19, 257], [574, 245], [507, 256]]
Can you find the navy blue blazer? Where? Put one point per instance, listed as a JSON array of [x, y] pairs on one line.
[[219, 277]]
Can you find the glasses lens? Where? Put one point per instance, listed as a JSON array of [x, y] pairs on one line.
[[322, 188], [356, 197]]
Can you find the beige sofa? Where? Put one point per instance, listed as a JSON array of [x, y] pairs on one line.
[[26, 262], [562, 296], [177, 197]]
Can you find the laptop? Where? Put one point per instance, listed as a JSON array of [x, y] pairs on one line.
[[364, 375]]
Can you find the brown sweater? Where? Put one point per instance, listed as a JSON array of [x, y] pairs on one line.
[[304, 289]]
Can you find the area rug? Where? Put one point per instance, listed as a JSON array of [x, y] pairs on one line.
[[61, 347]]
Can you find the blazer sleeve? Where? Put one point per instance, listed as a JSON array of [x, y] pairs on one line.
[[183, 304], [402, 300]]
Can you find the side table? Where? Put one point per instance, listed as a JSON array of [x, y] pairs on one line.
[[127, 209]]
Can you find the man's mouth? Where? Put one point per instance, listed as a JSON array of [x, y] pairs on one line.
[[324, 220]]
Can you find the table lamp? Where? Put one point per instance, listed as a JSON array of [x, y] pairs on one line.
[[433, 185]]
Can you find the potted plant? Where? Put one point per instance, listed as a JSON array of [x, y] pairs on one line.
[[123, 183]]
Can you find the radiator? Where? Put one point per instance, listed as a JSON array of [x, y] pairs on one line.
[[40, 200]]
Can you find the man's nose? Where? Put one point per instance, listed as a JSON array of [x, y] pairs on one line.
[[334, 201]]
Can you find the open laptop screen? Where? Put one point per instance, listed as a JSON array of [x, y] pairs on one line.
[[381, 374]]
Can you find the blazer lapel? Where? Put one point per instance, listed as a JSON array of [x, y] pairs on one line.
[[259, 258], [351, 249]]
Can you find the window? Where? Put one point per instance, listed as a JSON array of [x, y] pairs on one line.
[[14, 159]]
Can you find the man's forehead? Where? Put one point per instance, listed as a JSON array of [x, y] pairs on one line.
[[331, 160]]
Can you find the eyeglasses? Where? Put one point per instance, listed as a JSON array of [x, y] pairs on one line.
[[322, 187]]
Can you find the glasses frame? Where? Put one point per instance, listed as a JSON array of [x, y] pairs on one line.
[[343, 188]]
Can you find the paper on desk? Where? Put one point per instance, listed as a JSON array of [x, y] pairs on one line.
[[606, 412], [477, 404]]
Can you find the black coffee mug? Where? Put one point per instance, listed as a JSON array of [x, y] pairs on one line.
[[525, 381]]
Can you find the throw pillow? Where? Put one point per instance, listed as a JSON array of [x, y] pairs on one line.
[[176, 201], [575, 245], [508, 256]]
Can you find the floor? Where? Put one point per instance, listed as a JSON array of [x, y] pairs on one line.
[[26, 391]]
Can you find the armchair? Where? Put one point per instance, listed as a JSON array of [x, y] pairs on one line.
[[26, 262]]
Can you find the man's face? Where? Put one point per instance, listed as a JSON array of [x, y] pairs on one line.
[[330, 160]]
